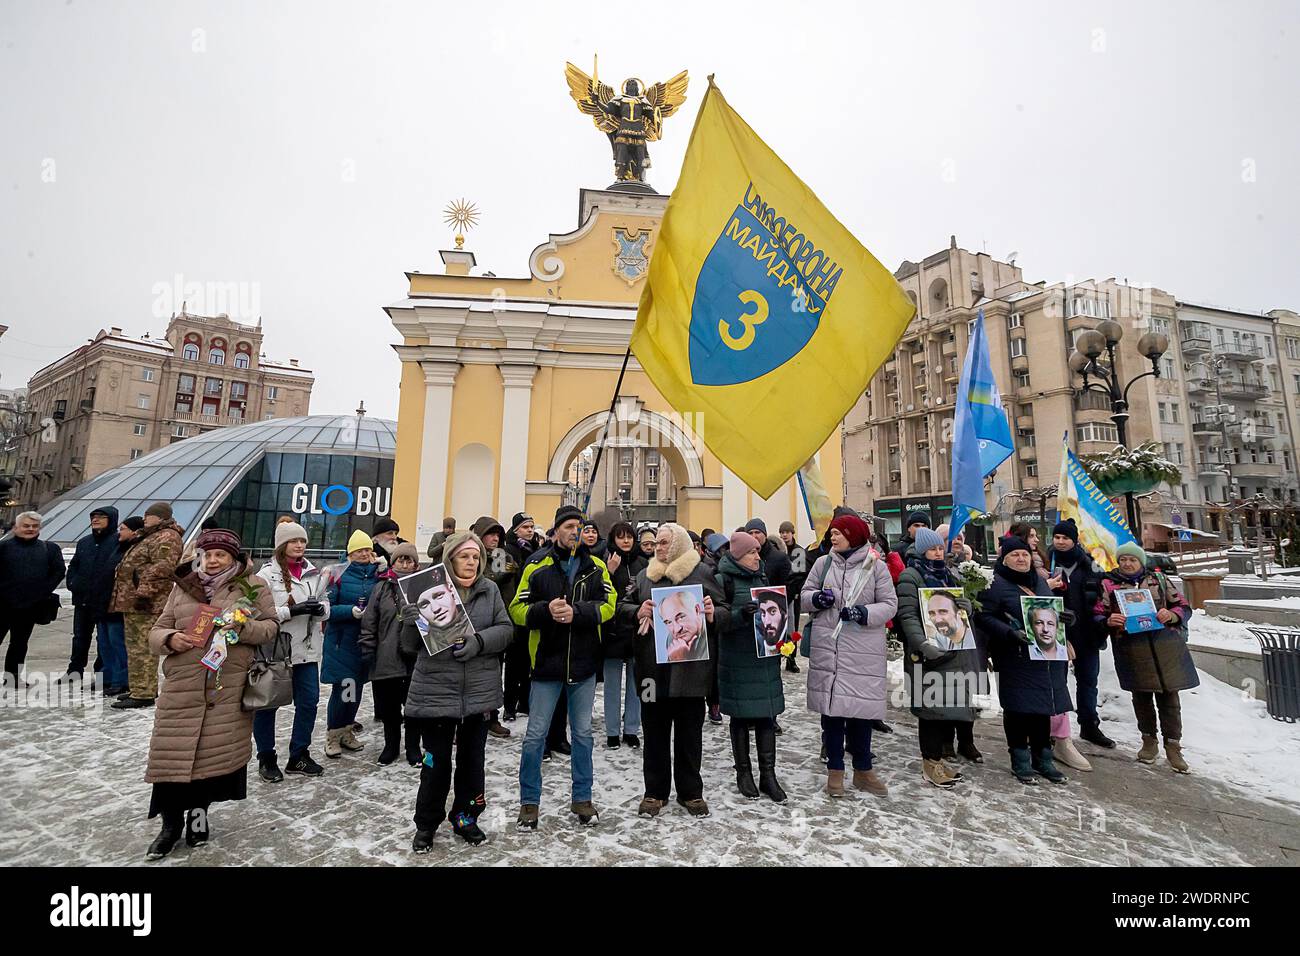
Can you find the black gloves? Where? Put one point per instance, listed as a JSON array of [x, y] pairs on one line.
[[748, 611], [306, 607], [470, 649]]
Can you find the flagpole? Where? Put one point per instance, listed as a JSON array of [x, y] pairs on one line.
[[604, 433]]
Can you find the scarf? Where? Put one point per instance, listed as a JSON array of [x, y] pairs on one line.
[[1067, 559], [212, 583], [1024, 579], [297, 567], [934, 573]]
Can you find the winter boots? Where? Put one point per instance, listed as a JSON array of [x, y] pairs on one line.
[[936, 773], [333, 747], [613, 742], [740, 754], [1150, 750], [585, 811], [304, 765], [632, 740], [1022, 766], [1063, 749], [167, 837], [968, 751], [1092, 733], [1045, 766], [268, 769], [466, 827], [696, 807], [196, 828], [870, 781], [423, 841], [765, 742], [1174, 754], [835, 783], [392, 742], [348, 740], [650, 807], [527, 817]]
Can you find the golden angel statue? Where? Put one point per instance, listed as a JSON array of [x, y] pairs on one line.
[[630, 120]]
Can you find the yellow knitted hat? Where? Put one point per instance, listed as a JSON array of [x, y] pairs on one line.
[[358, 541]]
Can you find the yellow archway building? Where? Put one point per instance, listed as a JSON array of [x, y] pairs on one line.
[[505, 381]]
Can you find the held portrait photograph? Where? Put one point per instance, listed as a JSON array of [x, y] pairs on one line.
[[772, 622], [945, 622], [679, 624], [443, 622], [1044, 627]]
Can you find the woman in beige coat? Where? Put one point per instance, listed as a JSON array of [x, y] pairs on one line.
[[201, 736]]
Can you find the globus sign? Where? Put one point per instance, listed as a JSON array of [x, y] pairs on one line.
[[340, 500]]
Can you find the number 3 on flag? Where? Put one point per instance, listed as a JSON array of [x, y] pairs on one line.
[[748, 319]]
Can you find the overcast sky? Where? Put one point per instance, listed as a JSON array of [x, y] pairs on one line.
[[305, 150]]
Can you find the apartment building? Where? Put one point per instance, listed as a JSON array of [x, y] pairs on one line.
[[120, 397]]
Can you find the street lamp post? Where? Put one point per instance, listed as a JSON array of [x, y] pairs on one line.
[[1084, 361]]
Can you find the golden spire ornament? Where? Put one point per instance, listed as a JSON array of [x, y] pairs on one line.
[[461, 216]]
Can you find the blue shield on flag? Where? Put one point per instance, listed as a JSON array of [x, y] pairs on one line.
[[752, 311]]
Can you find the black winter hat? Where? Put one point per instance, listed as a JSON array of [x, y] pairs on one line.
[[1067, 528], [519, 519], [384, 525], [917, 517], [135, 522], [567, 513], [1011, 543]]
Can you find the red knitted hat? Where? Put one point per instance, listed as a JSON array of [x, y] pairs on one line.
[[853, 528]]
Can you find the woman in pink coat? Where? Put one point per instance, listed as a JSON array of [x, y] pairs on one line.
[[852, 597]]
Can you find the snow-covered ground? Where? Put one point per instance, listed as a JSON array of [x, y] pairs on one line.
[[1210, 631]]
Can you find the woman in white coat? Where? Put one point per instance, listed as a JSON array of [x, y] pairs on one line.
[[850, 590], [298, 588]]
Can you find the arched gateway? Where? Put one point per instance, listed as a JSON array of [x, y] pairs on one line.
[[505, 383]]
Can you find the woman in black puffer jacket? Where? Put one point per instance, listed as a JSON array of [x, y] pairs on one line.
[[618, 640]]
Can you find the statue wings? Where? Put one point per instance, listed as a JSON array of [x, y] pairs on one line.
[[591, 96], [664, 98]]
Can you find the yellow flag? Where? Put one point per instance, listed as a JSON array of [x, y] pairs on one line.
[[761, 312]]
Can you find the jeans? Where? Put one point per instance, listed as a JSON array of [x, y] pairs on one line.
[[674, 744], [543, 696], [306, 698], [1087, 665], [339, 712], [470, 734], [631, 700], [857, 732], [83, 631], [112, 651]]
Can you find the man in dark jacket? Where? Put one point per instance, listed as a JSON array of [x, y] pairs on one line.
[[564, 597], [386, 536], [30, 570], [1077, 578], [917, 519], [90, 579]]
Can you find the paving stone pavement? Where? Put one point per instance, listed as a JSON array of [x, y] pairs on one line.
[[73, 794]]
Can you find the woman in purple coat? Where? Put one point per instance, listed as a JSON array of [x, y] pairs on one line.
[[852, 597]]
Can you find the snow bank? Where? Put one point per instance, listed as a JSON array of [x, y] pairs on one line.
[[1209, 631]]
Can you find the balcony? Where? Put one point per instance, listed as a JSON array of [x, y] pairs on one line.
[[1025, 421], [1194, 337], [1212, 429], [1239, 353], [1028, 453], [1208, 468], [1240, 388], [1251, 430], [1256, 469], [1203, 386], [207, 421], [1020, 363]]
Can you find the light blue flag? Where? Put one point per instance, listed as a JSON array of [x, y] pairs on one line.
[[981, 433], [1102, 528]]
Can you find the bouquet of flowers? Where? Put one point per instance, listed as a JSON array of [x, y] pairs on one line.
[[972, 580], [226, 627], [789, 643]]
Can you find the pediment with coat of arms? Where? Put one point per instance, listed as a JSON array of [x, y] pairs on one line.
[[631, 254]]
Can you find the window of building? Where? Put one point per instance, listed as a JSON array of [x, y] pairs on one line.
[[1015, 321], [1031, 469], [190, 352], [137, 429], [216, 356], [1017, 348], [1027, 438], [239, 390], [1098, 431], [236, 411], [142, 400], [241, 360], [626, 475], [1183, 490], [185, 384], [1164, 412], [60, 409], [1174, 412], [1022, 380], [1178, 454], [1160, 325], [212, 386], [136, 453], [146, 375], [180, 431], [1167, 367], [1292, 348], [273, 392]]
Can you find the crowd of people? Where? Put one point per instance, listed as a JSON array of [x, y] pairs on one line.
[[553, 613]]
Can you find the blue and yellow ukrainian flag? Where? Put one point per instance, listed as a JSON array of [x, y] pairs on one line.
[[981, 433], [761, 310]]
